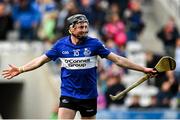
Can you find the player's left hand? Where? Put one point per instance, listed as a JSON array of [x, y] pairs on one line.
[[151, 71]]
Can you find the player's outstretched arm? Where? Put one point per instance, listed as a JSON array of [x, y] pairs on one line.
[[124, 62], [13, 71]]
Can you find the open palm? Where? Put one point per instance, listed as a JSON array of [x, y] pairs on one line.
[[11, 72]]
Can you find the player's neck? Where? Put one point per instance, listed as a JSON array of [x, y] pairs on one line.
[[74, 40]]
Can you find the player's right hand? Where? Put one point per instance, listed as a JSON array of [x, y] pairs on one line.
[[11, 72]]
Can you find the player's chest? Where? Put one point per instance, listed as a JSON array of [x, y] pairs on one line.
[[77, 51]]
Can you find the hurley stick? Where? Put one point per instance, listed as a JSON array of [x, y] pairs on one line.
[[165, 64]]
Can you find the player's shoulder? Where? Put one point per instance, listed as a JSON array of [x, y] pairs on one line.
[[94, 41], [62, 40]]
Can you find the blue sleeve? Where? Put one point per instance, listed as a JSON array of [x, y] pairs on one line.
[[53, 52], [102, 51]]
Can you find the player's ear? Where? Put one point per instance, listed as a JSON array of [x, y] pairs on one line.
[[71, 29]]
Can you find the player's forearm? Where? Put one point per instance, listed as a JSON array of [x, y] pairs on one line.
[[124, 62], [34, 64]]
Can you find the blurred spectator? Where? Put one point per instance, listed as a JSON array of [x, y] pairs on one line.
[[99, 12], [164, 96], [5, 21], [122, 4], [25, 19], [114, 86], [173, 83], [85, 7], [177, 58], [102, 78], [168, 35], [8, 12], [153, 102], [151, 60], [37, 5], [48, 22], [114, 48], [101, 101], [114, 8], [178, 98], [63, 13], [115, 29], [135, 102], [69, 8], [133, 18]]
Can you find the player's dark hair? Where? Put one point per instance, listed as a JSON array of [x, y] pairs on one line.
[[74, 19]]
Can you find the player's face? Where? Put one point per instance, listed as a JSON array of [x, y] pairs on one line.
[[81, 29]]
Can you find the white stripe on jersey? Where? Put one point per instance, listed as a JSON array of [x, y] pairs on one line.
[[79, 62]]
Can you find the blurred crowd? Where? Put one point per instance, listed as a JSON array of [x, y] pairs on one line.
[[115, 22]]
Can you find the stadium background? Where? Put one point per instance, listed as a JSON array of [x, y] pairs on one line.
[[131, 28]]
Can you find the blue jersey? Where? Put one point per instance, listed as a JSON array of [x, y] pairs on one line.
[[79, 64]]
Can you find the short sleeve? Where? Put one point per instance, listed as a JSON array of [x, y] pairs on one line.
[[53, 52], [102, 51]]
